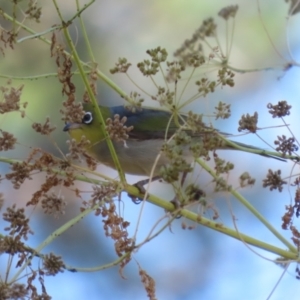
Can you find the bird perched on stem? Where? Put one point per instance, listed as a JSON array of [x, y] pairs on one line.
[[149, 140]]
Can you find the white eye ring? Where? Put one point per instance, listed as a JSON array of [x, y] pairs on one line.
[[87, 118]]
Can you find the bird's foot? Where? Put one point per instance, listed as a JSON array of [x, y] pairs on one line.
[[177, 206], [140, 186]]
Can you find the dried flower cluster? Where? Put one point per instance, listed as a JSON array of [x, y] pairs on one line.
[[148, 283], [64, 67], [53, 204], [8, 38], [42, 161], [135, 102], [77, 151], [147, 67], [205, 86], [13, 244], [7, 141], [174, 152], [228, 12], [44, 129], [292, 211], [164, 96], [279, 110], [117, 129], [53, 264], [19, 224], [33, 12], [20, 172], [196, 124], [286, 146], [174, 69], [210, 141], [51, 181], [274, 180], [225, 77], [101, 194], [73, 111], [248, 123], [222, 167], [223, 111], [122, 66], [11, 99], [246, 180], [114, 225], [92, 84], [14, 291]]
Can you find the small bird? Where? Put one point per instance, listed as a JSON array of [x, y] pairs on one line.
[[150, 128]]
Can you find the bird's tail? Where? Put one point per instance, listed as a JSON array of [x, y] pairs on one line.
[[252, 149]]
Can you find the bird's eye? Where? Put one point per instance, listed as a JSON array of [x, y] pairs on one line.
[[87, 118]]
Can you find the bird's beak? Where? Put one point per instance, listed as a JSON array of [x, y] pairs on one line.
[[70, 126]]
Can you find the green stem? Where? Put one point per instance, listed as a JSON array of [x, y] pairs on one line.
[[246, 203], [98, 114], [132, 190], [85, 36]]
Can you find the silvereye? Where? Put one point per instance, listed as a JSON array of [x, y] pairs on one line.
[[138, 153]]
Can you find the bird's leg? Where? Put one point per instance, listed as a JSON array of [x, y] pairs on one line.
[[140, 186]]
